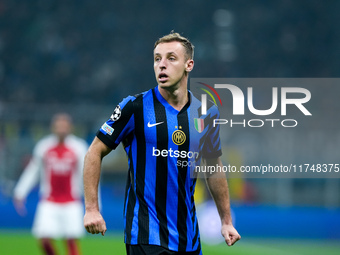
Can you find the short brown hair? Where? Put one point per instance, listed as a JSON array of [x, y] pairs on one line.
[[176, 37]]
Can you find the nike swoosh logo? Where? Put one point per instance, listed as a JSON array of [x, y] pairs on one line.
[[155, 124]]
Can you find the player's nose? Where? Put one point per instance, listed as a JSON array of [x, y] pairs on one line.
[[162, 64]]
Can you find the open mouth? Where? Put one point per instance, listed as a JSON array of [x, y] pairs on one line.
[[162, 77]]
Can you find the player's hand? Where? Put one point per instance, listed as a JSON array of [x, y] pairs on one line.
[[94, 223], [230, 234], [20, 207]]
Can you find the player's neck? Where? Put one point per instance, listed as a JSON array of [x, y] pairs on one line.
[[177, 97], [61, 139], [61, 142]]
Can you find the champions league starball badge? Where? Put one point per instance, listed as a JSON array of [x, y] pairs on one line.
[[116, 113]]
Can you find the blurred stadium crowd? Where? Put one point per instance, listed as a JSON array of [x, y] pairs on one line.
[[94, 52], [84, 56]]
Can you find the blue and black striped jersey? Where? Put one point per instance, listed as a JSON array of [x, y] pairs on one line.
[[163, 146]]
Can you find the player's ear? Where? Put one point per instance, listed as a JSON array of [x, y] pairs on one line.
[[189, 65]]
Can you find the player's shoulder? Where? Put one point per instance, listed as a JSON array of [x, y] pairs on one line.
[[45, 143], [126, 108], [132, 101], [76, 140], [132, 98], [48, 139], [194, 98], [197, 104]]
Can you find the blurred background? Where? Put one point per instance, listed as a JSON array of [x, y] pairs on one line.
[[84, 56]]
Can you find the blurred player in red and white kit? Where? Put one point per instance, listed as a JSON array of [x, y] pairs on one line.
[[58, 163]]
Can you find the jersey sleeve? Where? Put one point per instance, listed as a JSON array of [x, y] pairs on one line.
[[212, 144], [119, 125], [81, 149], [30, 176]]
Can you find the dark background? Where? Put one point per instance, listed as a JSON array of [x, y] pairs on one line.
[[85, 56]]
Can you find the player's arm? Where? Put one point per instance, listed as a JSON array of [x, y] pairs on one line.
[[218, 187], [28, 179], [93, 220]]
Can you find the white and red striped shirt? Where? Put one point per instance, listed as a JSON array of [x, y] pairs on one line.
[[59, 167]]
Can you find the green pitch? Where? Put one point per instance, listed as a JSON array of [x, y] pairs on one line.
[[14, 243]]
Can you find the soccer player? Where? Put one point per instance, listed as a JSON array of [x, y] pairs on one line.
[[164, 137], [58, 162]]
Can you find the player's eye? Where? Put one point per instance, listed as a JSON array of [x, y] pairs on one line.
[[157, 59], [172, 58]]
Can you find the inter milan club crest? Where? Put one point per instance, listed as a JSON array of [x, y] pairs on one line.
[[178, 136], [116, 113], [199, 124]]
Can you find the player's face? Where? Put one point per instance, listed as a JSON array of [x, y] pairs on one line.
[[171, 64], [61, 128]]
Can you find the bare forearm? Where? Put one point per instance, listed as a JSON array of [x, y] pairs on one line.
[[218, 186], [219, 190], [92, 169], [92, 166]]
